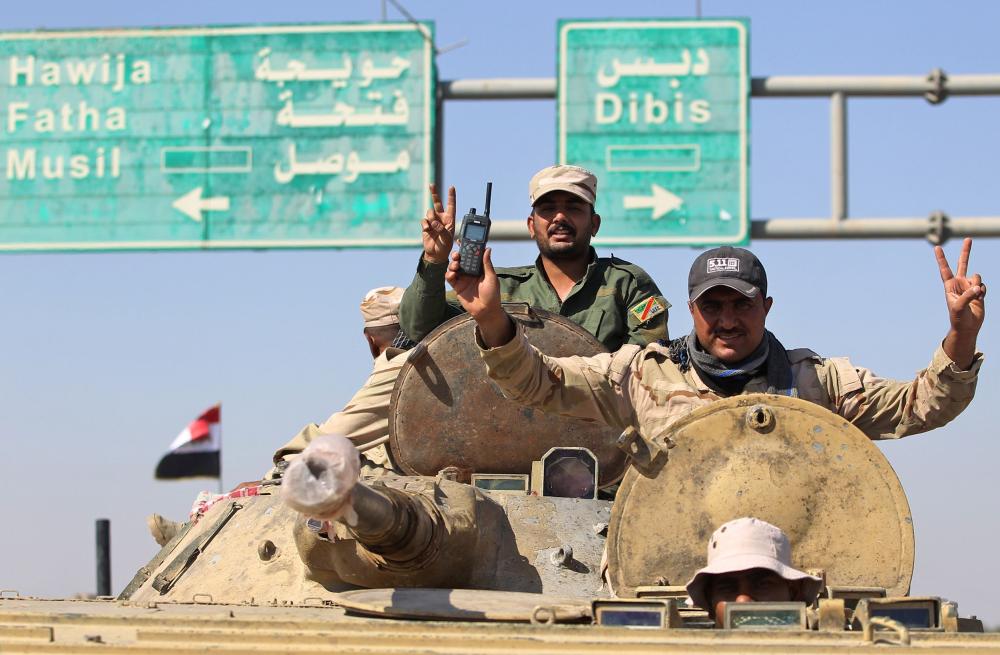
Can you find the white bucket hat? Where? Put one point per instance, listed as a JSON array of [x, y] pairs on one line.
[[749, 543]]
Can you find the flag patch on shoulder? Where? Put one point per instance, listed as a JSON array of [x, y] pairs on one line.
[[646, 309]]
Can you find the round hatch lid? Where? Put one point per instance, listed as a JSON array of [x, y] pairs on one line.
[[784, 460], [463, 605], [447, 412]]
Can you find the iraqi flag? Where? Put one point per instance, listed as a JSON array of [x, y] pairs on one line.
[[196, 450]]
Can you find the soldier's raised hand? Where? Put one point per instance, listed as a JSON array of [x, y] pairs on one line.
[[966, 298], [480, 296], [438, 232]]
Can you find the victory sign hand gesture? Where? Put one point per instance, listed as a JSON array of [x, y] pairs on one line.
[[966, 305], [439, 227]]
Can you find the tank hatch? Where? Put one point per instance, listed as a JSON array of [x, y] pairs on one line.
[[446, 411], [784, 460]]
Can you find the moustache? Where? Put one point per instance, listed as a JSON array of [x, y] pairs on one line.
[[562, 226]]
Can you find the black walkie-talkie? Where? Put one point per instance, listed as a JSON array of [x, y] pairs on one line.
[[475, 232]]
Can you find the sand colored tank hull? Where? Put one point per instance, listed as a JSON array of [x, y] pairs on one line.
[[74, 626]]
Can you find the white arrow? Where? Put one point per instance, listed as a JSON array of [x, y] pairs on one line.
[[191, 204], [661, 202]]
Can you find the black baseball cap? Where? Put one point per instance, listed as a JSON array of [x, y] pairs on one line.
[[736, 268]]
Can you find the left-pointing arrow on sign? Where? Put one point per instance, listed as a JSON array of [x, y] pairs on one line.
[[191, 204], [661, 202]]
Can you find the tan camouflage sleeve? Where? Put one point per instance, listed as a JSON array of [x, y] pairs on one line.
[[364, 418], [572, 386], [890, 409]]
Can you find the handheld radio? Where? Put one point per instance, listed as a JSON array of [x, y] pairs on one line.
[[475, 232]]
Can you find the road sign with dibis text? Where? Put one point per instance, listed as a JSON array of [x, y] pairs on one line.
[[659, 111]]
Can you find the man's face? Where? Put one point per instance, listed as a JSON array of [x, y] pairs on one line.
[[753, 585], [562, 225], [729, 325]]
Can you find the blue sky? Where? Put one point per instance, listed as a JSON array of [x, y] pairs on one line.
[[107, 356]]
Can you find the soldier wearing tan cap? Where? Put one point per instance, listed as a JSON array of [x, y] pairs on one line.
[[612, 299], [380, 311], [365, 419]]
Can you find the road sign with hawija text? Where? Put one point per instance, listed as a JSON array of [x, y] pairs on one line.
[[659, 111], [216, 137]]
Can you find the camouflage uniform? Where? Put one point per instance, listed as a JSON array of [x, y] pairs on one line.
[[644, 389], [615, 301], [364, 418]]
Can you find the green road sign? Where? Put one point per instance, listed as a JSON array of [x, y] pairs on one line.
[[659, 110], [232, 137]]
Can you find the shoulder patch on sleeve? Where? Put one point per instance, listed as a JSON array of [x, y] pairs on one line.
[[849, 378], [621, 361], [646, 309]]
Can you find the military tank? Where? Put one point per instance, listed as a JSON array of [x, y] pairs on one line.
[[503, 538]]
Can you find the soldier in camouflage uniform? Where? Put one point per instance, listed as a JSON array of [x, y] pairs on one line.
[[365, 418], [730, 353], [612, 299]]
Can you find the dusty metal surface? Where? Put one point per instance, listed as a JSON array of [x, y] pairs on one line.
[[562, 539], [464, 605], [783, 460], [251, 559], [65, 626], [446, 411], [262, 553]]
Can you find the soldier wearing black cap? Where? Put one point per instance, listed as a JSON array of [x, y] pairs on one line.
[[730, 352]]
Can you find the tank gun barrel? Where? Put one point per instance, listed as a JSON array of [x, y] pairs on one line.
[[376, 512], [391, 523], [323, 483]]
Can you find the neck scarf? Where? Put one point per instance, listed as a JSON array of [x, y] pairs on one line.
[[768, 359]]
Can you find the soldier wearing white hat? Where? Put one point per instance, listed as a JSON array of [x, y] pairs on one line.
[[749, 560]]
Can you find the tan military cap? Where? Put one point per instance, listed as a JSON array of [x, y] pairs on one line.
[[561, 177], [381, 306]]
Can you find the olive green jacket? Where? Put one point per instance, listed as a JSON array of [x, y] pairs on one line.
[[644, 389], [615, 301]]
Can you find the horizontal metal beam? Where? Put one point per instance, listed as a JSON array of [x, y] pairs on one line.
[[873, 85], [789, 86], [510, 88], [930, 228]]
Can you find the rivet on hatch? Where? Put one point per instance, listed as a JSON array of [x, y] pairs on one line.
[[266, 550], [760, 418], [562, 556]]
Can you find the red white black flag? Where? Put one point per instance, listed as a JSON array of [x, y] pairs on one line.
[[196, 450]]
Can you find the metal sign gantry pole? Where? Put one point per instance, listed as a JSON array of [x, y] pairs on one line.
[[935, 87]]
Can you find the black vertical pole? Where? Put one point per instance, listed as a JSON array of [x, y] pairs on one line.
[[103, 557]]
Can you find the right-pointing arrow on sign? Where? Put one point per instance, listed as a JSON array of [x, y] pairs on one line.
[[661, 202]]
